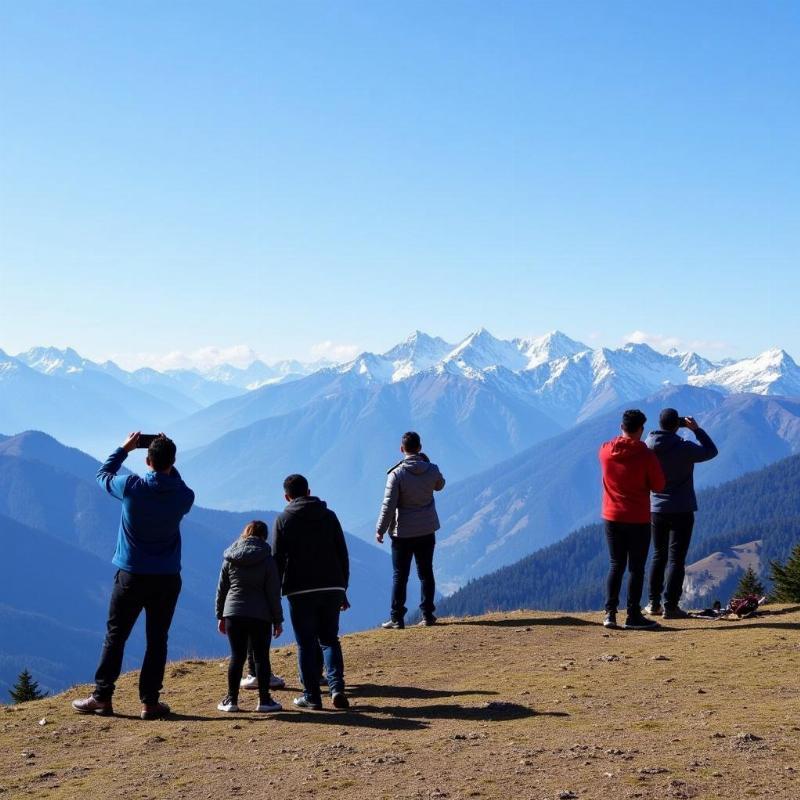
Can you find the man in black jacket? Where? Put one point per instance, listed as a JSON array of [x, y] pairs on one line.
[[672, 509], [311, 553]]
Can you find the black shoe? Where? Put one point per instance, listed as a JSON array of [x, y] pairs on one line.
[[653, 609], [638, 622], [611, 620], [426, 622], [393, 624], [674, 613], [340, 701]]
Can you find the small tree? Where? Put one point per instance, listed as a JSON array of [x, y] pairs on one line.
[[26, 688], [749, 584], [786, 578]]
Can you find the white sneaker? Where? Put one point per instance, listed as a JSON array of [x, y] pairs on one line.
[[249, 682], [227, 705], [276, 682], [270, 707]]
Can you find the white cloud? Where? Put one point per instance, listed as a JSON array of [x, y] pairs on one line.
[[203, 358], [659, 341], [333, 351]]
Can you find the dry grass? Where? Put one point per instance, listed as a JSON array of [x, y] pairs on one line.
[[524, 705]]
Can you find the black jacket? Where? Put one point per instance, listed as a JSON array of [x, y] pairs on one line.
[[309, 547], [678, 457]]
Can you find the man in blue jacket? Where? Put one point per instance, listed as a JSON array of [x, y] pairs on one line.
[[148, 561], [672, 509], [408, 513]]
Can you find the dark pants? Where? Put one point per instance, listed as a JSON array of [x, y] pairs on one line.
[[419, 548], [157, 595], [672, 534], [315, 619], [628, 544], [244, 632]]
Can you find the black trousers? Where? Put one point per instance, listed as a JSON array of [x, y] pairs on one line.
[[157, 595], [628, 544], [672, 535], [245, 632], [420, 549]]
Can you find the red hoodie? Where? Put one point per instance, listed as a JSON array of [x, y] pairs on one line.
[[630, 472]]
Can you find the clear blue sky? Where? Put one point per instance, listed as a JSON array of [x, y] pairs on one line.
[[183, 174]]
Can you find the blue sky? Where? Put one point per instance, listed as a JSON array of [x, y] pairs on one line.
[[182, 175]]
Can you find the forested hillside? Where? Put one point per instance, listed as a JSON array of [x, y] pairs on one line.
[[570, 574]]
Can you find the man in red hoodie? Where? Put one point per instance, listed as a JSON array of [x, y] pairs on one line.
[[630, 472]]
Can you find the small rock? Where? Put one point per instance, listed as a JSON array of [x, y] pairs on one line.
[[43, 721], [567, 794], [609, 657], [702, 691], [748, 737], [661, 658]]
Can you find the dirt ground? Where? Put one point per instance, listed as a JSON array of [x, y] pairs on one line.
[[524, 705]]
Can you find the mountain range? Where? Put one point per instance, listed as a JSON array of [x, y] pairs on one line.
[[57, 535]]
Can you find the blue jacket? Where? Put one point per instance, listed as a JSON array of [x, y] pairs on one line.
[[678, 457], [149, 538]]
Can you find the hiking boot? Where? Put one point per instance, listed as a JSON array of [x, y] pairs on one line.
[[611, 620], [304, 702], [340, 700], [426, 622], [675, 612], [228, 704], [154, 711], [653, 609], [270, 707], [638, 622], [90, 705], [393, 625]]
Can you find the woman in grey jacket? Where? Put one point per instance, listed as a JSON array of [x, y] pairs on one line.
[[249, 609]]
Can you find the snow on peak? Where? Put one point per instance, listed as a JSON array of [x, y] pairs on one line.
[[771, 372], [549, 347], [481, 350], [51, 360]]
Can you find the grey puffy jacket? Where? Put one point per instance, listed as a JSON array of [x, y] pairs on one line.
[[248, 582], [408, 508]]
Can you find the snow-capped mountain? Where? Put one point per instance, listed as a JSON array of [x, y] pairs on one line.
[[772, 372], [551, 346]]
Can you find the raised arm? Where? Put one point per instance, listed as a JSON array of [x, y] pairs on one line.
[[705, 449], [107, 474]]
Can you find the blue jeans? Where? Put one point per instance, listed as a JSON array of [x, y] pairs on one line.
[[420, 549], [315, 619]]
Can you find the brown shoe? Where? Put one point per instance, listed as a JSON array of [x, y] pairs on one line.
[[102, 708], [156, 711]]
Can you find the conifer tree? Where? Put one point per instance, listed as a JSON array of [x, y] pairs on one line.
[[749, 584], [26, 688], [786, 578]]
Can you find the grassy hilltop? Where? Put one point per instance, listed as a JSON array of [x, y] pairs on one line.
[[521, 705]]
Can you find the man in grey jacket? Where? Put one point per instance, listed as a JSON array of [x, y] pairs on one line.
[[409, 515], [672, 509]]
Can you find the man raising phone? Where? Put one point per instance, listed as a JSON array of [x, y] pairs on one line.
[[672, 508], [148, 561]]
